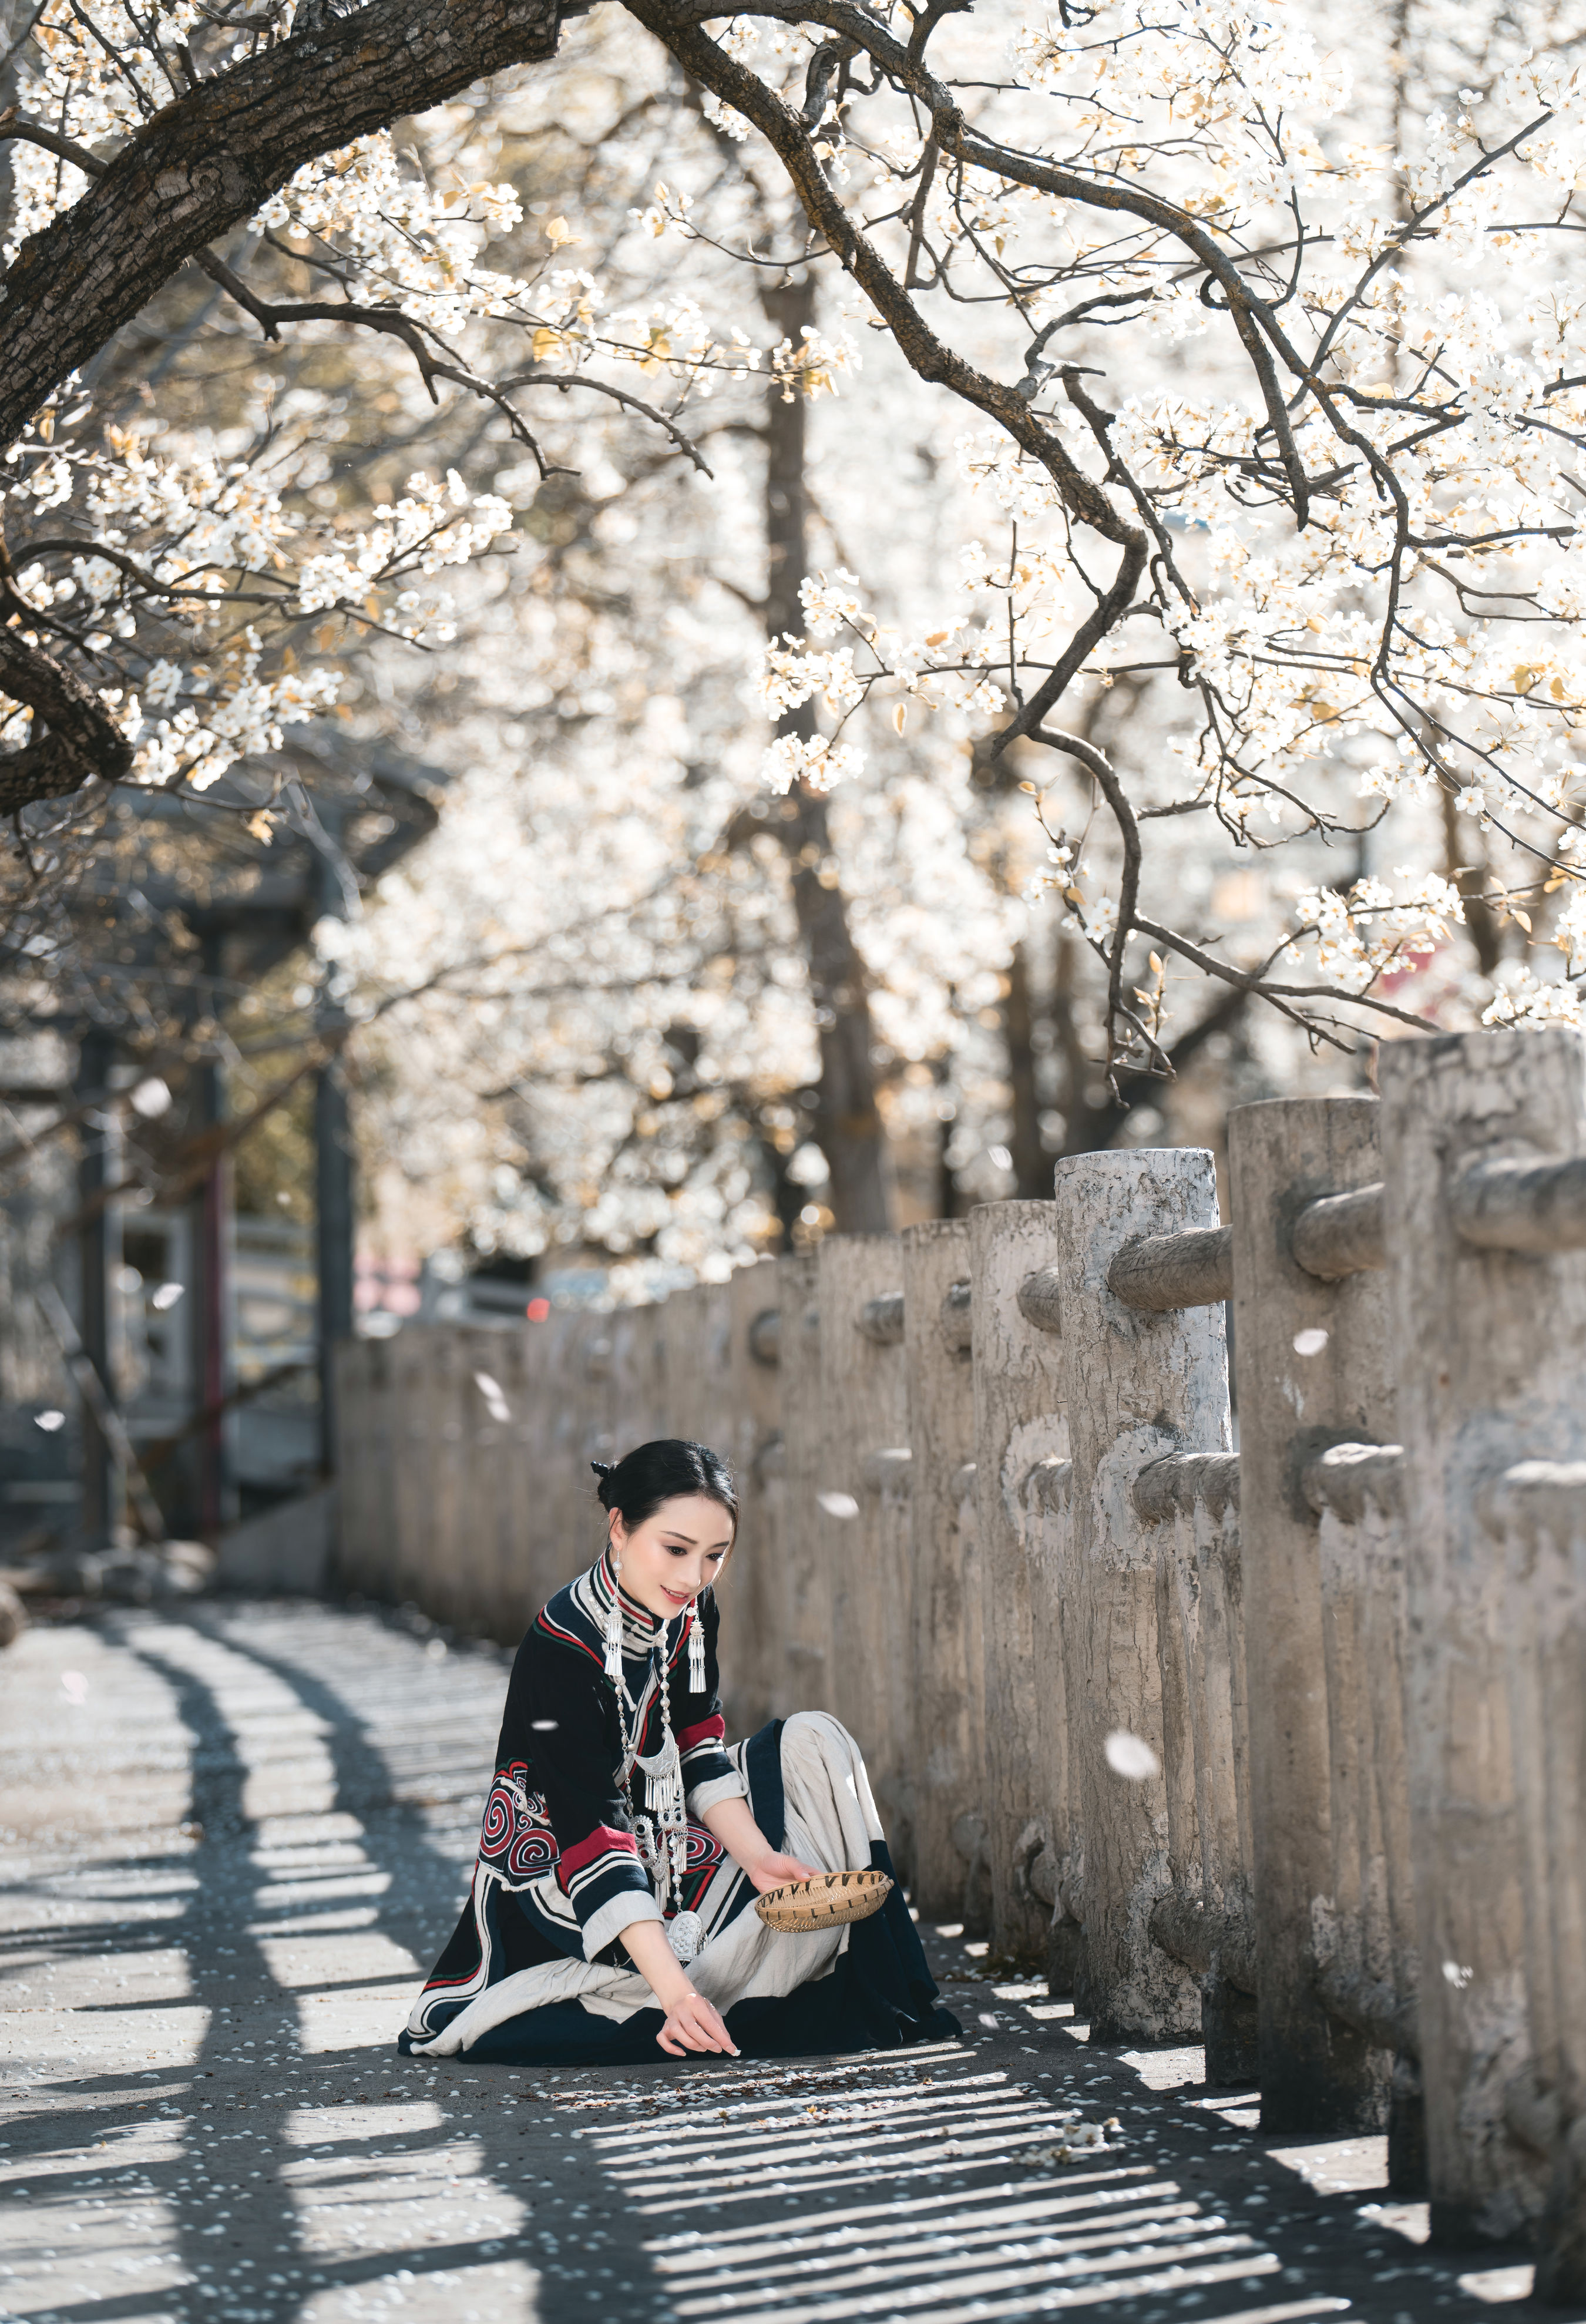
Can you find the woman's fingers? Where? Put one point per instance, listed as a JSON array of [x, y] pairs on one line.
[[775, 1871], [706, 2027], [694, 2025]]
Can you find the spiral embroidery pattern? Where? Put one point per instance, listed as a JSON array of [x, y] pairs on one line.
[[704, 1850], [515, 1838]]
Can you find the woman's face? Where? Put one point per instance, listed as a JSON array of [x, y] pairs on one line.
[[667, 1560]]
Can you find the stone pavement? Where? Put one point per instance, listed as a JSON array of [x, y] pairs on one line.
[[235, 1834]]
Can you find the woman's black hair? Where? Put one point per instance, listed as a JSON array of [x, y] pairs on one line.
[[667, 1470]]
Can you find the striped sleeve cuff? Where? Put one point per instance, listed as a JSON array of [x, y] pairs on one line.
[[729, 1784], [617, 1913], [708, 1775], [601, 1875]]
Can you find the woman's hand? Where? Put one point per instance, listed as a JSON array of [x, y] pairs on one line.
[[693, 2024], [773, 1871], [732, 1823]]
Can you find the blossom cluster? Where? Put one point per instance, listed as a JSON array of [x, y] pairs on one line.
[[181, 575]]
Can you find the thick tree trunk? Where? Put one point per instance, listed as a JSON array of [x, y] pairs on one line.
[[847, 1121], [197, 167], [202, 165]]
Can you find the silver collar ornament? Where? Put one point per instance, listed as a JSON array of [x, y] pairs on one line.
[[662, 1830]]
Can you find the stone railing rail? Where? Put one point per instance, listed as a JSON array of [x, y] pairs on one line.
[[1281, 1749]]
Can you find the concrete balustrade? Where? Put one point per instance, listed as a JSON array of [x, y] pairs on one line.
[[1491, 1342], [1282, 1749]]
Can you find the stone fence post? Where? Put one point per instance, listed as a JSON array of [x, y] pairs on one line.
[[563, 1520], [1485, 1225], [1312, 1372], [697, 1387], [1144, 1380], [414, 1418], [580, 1390], [1017, 1422], [970, 1831], [889, 1486], [859, 1280], [486, 1508], [804, 1672], [1194, 1499], [518, 1369], [1536, 1513], [1368, 1959], [1056, 1876], [939, 1397], [749, 1597]]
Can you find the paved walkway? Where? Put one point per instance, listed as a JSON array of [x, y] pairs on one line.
[[235, 1834]]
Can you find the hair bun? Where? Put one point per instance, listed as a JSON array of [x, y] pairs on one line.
[[670, 1468]]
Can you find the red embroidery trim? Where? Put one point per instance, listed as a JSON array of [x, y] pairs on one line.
[[602, 1841]]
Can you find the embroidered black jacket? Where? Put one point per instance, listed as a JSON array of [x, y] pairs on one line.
[[559, 1802]]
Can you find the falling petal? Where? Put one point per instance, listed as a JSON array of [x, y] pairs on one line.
[[49, 1420], [1311, 1342], [1131, 1757], [838, 1505], [166, 1296], [1458, 1976], [496, 1403], [150, 1098], [74, 1687]]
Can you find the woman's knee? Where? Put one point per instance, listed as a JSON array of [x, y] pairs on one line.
[[818, 1730]]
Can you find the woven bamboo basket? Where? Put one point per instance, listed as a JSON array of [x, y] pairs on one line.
[[824, 1901]]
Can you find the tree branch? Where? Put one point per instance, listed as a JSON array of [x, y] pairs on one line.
[[74, 735], [203, 164]]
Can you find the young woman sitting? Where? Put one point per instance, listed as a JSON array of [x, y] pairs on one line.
[[625, 1843]]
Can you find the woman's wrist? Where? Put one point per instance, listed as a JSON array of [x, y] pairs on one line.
[[656, 1963], [732, 1823], [670, 1990]]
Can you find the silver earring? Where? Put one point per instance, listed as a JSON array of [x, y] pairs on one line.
[[614, 1621], [696, 1650]]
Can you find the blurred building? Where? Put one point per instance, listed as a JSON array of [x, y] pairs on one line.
[[139, 1312]]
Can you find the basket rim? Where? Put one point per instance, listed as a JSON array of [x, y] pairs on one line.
[[869, 1876]]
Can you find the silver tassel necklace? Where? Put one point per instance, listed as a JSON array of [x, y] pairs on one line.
[[662, 1833]]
